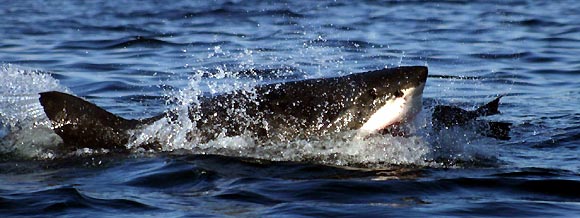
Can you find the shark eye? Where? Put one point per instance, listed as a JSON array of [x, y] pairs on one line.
[[398, 94]]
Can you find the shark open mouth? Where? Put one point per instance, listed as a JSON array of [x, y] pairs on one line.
[[395, 112]]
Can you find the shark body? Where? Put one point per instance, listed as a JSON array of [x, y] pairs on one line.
[[368, 102]]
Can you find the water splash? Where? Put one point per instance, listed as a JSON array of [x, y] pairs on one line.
[[180, 133], [26, 129]]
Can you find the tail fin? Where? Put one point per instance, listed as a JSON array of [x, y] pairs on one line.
[[490, 108], [82, 124]]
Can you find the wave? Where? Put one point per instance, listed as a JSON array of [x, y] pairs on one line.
[[125, 42], [495, 56], [54, 201]]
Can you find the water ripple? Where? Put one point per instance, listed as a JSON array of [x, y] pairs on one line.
[[64, 199], [126, 42], [501, 56]]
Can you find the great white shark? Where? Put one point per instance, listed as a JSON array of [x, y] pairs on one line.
[[368, 103]]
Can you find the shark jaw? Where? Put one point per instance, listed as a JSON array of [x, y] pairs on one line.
[[395, 111]]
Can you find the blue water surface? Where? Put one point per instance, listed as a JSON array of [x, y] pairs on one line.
[[131, 57]]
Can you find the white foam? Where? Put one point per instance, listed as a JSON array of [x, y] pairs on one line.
[[27, 130], [454, 145]]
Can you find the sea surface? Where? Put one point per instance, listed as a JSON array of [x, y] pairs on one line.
[[141, 58]]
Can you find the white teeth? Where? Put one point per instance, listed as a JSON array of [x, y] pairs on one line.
[[397, 110]]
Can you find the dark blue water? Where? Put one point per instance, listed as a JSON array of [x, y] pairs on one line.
[[137, 59]]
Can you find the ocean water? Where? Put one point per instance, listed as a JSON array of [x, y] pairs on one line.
[[140, 58]]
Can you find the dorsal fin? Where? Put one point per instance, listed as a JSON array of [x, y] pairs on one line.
[[490, 108], [83, 124]]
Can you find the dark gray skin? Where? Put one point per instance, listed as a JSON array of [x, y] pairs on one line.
[[445, 116], [278, 111]]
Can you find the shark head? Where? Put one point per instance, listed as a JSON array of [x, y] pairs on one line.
[[388, 97], [368, 102]]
